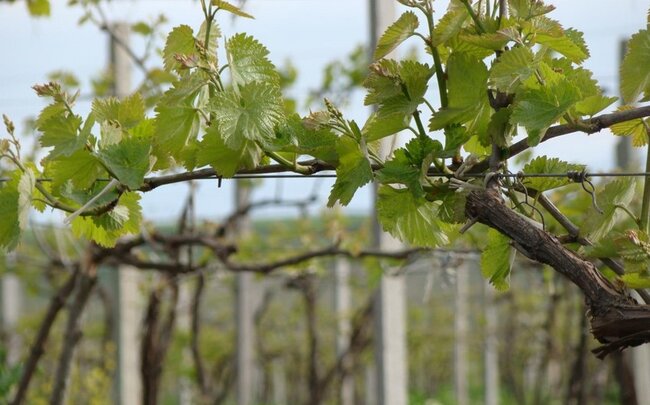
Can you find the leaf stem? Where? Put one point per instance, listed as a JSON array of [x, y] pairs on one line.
[[286, 162], [628, 212], [440, 74], [644, 221], [479, 25]]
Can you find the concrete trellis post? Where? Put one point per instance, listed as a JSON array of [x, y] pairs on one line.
[[390, 305]]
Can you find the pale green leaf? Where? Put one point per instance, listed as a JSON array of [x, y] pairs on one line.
[[538, 108], [449, 25], [180, 41], [231, 8], [396, 33], [544, 164], [353, 172], [564, 45], [107, 228], [26, 186], [250, 115], [128, 160], [61, 132], [81, 168], [618, 192], [9, 208], [635, 75], [512, 68], [496, 260], [213, 151], [410, 219], [248, 61], [636, 128], [39, 8], [127, 112]]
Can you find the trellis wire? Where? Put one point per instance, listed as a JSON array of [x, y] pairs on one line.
[[569, 175]]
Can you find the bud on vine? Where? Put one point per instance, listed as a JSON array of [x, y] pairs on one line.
[[8, 124]]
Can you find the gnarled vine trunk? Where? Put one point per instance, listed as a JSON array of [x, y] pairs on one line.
[[617, 320]]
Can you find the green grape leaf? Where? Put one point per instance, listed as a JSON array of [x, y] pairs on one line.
[[248, 62], [81, 168], [636, 128], [38, 8], [128, 160], [467, 79], [544, 164], [496, 260], [61, 132], [399, 170], [9, 212], [353, 172], [396, 33], [636, 280], [449, 25], [410, 219], [618, 192], [293, 136], [455, 137], [127, 112], [397, 90], [468, 102], [180, 41], [231, 8], [565, 45], [26, 186], [452, 204], [634, 248], [635, 76], [512, 68], [215, 34], [592, 105], [538, 108], [213, 150], [107, 228], [177, 119], [250, 115]]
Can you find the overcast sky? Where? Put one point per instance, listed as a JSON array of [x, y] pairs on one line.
[[309, 32]]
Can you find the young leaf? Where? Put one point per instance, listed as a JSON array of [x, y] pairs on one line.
[[231, 8], [25, 190], [81, 168], [538, 108], [250, 115], [468, 102], [61, 132], [544, 164], [399, 170], [636, 128], [635, 76], [39, 8], [512, 68], [177, 119], [397, 33], [248, 62], [496, 260], [106, 229], [293, 136], [618, 192], [353, 172], [564, 45], [410, 219], [128, 160], [9, 208], [180, 41], [226, 161], [128, 112]]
